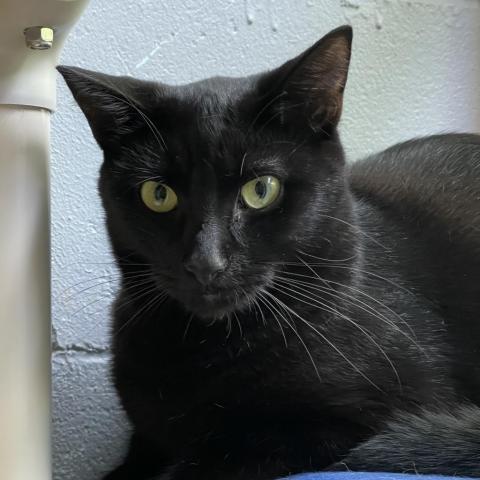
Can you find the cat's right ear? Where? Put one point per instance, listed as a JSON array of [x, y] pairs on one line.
[[112, 105]]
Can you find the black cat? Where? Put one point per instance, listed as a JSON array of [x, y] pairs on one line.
[[281, 312]]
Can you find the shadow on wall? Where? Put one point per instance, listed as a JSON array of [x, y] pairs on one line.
[[474, 74]]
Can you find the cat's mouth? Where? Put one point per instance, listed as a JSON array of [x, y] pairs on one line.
[[213, 304], [217, 300]]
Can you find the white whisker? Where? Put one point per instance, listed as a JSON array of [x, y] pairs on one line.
[[326, 340], [330, 309]]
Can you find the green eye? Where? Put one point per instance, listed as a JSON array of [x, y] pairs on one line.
[[261, 192], [158, 197]]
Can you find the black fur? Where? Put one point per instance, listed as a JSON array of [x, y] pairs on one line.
[[336, 328], [429, 441]]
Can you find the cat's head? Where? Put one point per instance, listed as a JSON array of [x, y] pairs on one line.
[[217, 184]]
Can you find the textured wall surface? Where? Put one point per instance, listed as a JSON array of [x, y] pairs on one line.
[[415, 71]]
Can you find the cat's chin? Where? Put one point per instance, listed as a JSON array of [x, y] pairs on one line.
[[214, 306], [214, 310]]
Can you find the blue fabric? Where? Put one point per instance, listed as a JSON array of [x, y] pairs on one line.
[[367, 476]]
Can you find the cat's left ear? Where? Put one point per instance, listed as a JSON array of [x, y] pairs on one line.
[[310, 87]]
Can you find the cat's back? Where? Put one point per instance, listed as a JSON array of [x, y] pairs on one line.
[[422, 199], [435, 177]]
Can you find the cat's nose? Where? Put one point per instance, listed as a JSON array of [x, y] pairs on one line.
[[205, 269]]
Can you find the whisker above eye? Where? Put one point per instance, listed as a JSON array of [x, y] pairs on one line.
[[153, 178]]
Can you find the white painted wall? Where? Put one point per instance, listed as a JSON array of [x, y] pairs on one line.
[[415, 71]]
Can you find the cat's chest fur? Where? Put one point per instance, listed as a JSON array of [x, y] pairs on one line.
[[252, 365], [209, 385], [194, 361]]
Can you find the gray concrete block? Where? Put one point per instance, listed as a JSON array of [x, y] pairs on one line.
[[89, 429]]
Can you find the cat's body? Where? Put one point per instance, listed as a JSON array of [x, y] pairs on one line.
[[431, 189], [232, 402], [333, 322]]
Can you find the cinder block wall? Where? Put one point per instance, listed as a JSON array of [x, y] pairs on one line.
[[415, 71]]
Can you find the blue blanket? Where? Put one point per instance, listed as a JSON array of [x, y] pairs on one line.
[[367, 476]]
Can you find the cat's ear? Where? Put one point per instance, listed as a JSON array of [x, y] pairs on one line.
[[112, 105], [310, 87]]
